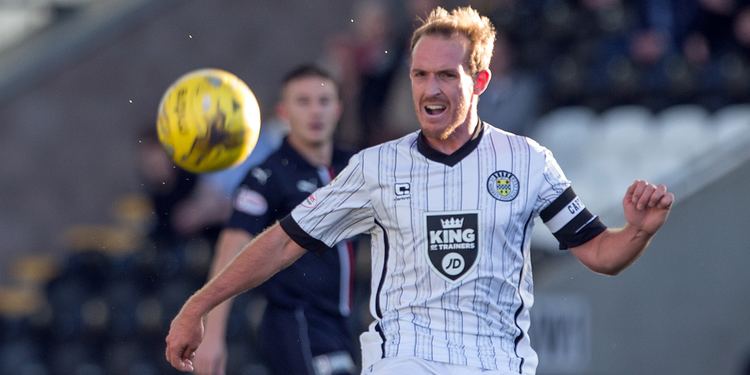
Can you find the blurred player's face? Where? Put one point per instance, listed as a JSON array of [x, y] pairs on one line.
[[311, 107], [442, 87]]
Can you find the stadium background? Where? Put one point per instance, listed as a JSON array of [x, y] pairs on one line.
[[85, 289]]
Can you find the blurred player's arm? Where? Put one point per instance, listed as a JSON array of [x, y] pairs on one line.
[[210, 358], [207, 206], [272, 251], [646, 208]]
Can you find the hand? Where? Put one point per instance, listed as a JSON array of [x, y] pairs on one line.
[[185, 335], [211, 356], [647, 206]]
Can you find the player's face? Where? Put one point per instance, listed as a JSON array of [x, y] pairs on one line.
[[441, 85], [311, 107]]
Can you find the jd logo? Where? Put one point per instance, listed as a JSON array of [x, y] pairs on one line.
[[453, 264], [452, 242]]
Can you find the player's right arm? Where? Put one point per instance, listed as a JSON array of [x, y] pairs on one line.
[[210, 358], [272, 251]]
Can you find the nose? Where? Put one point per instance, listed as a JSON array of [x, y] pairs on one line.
[[432, 86], [317, 109]]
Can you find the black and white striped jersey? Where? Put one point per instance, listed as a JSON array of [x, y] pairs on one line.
[[451, 269]]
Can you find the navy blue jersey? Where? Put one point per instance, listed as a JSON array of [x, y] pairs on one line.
[[318, 280]]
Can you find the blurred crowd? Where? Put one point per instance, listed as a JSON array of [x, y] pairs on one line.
[[552, 53]]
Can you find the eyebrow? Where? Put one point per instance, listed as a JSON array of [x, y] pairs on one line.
[[446, 70]]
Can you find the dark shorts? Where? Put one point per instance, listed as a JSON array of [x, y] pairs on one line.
[[299, 341]]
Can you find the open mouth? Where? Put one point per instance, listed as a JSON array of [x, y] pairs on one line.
[[434, 109]]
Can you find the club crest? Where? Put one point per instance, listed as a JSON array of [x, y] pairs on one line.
[[503, 186]]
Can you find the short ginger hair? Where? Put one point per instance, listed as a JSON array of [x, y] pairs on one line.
[[464, 21]]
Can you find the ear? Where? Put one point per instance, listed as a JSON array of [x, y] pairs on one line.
[[339, 109], [481, 81], [281, 111]]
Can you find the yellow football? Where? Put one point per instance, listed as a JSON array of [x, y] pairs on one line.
[[208, 120]]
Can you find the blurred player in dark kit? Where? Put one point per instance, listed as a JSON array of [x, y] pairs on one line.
[[304, 328]]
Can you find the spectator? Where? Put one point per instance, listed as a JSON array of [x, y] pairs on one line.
[[511, 100], [165, 184]]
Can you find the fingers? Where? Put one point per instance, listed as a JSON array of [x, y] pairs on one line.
[[636, 193], [638, 186], [666, 201], [186, 358], [630, 192], [180, 356], [179, 362], [659, 192], [644, 195], [648, 190]]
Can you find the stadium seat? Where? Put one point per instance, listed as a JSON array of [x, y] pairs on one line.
[[149, 317], [172, 294], [66, 297], [128, 357], [31, 368], [684, 132], [75, 357], [624, 127], [622, 154], [19, 356], [33, 270], [121, 298], [566, 131], [732, 122]]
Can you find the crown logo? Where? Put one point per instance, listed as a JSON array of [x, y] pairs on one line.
[[452, 223]]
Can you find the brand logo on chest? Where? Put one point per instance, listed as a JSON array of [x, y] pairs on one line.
[[402, 190], [452, 242]]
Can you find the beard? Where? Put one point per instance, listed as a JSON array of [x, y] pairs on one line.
[[457, 118]]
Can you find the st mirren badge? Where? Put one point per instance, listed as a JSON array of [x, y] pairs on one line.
[[503, 186], [452, 242]]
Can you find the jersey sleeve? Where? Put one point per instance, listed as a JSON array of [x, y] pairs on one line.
[[254, 202], [562, 211], [337, 211]]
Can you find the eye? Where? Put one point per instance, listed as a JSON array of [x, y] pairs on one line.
[[447, 75]]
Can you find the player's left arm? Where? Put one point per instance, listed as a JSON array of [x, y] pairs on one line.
[[646, 207]]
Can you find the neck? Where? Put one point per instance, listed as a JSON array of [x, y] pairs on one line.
[[458, 137], [317, 154]]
